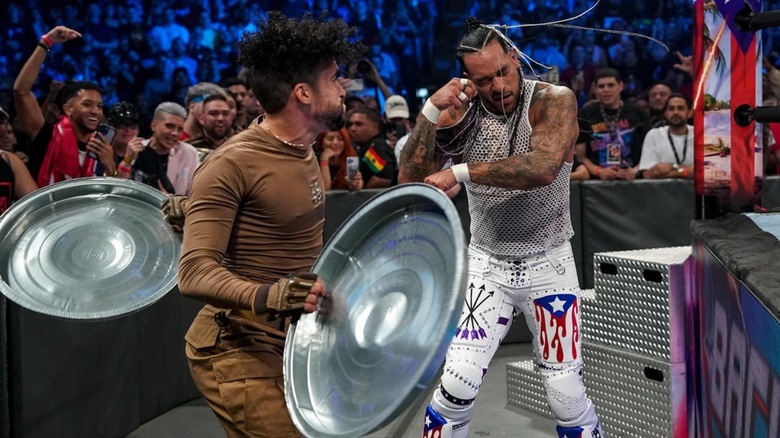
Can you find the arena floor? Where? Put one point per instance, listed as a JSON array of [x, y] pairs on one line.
[[492, 416]]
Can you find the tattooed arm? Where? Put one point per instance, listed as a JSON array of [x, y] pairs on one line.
[[553, 116], [418, 157]]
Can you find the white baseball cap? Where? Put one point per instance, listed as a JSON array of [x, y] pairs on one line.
[[396, 107]]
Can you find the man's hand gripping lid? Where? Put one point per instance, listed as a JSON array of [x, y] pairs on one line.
[[288, 296], [174, 209]]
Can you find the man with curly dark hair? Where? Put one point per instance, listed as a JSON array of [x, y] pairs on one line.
[[254, 223]]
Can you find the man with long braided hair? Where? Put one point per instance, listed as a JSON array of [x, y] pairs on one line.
[[254, 219], [514, 140]]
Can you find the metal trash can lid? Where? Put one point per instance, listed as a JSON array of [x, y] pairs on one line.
[[88, 249], [395, 274]]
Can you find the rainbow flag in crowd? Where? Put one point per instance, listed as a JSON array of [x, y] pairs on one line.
[[374, 161]]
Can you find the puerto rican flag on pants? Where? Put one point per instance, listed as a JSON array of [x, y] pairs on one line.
[[436, 426], [558, 319]]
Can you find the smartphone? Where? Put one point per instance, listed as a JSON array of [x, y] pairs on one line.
[[108, 132], [356, 84], [352, 167]]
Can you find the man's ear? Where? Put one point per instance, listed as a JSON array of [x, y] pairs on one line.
[[67, 109], [303, 92]]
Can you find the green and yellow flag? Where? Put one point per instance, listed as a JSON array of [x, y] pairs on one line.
[[374, 161]]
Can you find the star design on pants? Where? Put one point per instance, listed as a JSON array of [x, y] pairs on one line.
[[557, 305]]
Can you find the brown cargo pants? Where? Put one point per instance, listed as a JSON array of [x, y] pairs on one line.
[[237, 367]]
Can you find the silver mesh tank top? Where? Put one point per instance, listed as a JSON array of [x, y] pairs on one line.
[[514, 223]]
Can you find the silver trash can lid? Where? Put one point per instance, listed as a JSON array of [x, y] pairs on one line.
[[88, 249], [395, 274]]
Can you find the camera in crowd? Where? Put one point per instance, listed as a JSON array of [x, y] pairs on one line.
[[359, 73]]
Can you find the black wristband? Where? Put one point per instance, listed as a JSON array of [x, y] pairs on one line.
[[640, 173], [261, 296], [43, 46]]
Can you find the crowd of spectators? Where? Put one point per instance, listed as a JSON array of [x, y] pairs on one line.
[[146, 53]]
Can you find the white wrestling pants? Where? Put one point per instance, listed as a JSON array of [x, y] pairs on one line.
[[545, 288]]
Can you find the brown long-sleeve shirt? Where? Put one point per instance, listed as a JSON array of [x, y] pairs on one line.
[[255, 214]]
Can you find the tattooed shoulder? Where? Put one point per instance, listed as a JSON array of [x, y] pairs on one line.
[[538, 92], [561, 97]]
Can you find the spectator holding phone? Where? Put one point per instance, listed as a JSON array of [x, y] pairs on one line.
[[367, 83], [333, 149], [59, 152], [123, 116], [99, 149]]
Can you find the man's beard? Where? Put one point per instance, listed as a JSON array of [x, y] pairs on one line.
[[81, 122], [334, 119], [216, 134], [679, 123]]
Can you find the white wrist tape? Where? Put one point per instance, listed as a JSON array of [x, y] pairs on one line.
[[431, 112], [461, 172]]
